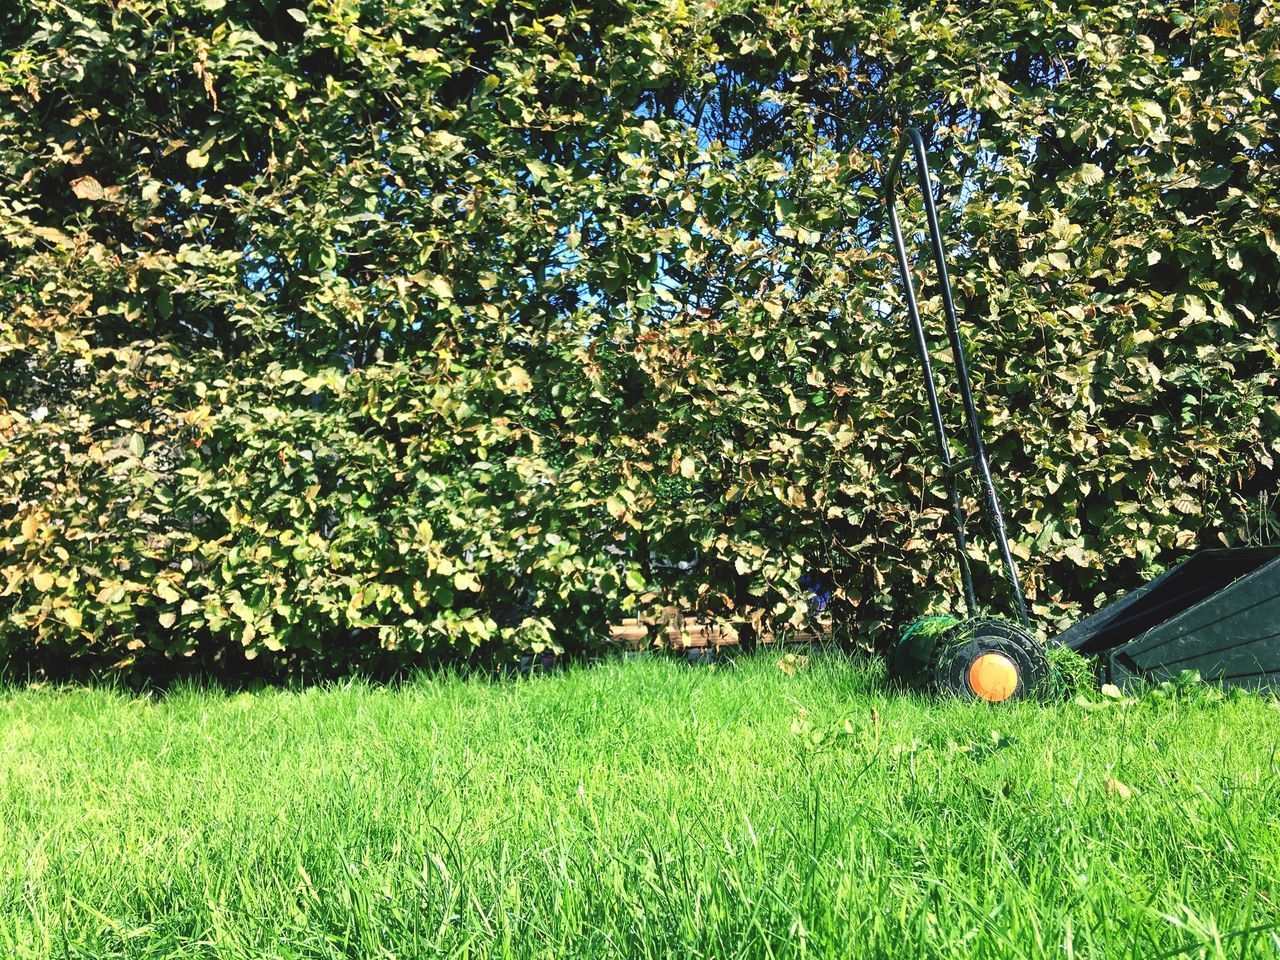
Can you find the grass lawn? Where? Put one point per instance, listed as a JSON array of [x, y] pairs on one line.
[[636, 809]]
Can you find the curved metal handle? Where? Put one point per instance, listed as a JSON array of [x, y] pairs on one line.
[[995, 515]]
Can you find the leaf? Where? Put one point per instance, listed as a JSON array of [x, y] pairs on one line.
[[196, 160], [1091, 174], [1112, 691], [167, 619], [635, 580], [439, 286], [42, 580], [52, 235], [688, 468], [1194, 309], [87, 188], [449, 143], [1077, 555], [137, 445], [516, 380], [1151, 109], [30, 526], [73, 618], [538, 170], [466, 581], [1119, 788], [792, 662], [1214, 177]]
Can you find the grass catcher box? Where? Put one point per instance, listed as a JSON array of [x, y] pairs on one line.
[[1217, 612]]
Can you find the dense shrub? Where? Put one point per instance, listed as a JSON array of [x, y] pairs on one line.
[[342, 334]]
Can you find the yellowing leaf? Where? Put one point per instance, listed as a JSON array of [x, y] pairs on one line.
[[1194, 309], [465, 580], [440, 287], [1077, 555], [196, 159], [688, 468], [516, 379], [792, 662], [1120, 789], [56, 237], [1151, 109], [30, 526], [43, 581], [87, 188]]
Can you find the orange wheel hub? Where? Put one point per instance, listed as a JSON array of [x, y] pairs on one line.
[[993, 677]]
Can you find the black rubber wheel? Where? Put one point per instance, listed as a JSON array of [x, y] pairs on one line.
[[987, 659]]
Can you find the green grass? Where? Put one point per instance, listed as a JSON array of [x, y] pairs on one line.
[[642, 809]]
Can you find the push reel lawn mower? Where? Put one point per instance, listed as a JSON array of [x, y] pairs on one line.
[[1217, 612]]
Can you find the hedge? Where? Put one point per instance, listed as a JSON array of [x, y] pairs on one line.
[[361, 334]]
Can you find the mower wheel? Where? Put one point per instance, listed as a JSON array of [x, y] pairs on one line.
[[987, 659]]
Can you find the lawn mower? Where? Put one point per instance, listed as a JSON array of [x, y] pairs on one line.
[[1217, 612]]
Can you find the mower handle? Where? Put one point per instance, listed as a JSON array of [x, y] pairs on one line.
[[992, 503]]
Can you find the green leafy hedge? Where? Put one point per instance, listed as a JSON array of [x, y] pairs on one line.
[[345, 335]]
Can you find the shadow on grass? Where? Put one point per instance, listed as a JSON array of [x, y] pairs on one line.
[[866, 672]]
